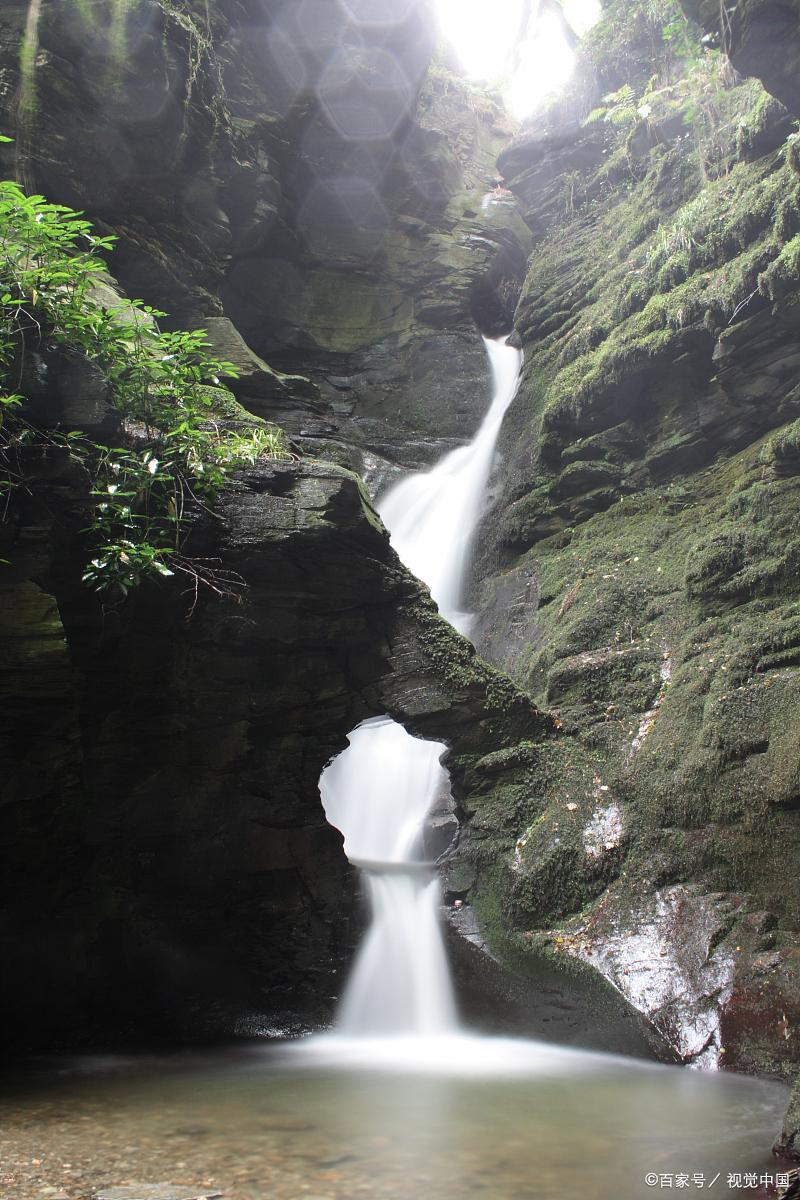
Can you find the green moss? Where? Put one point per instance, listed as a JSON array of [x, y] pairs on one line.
[[782, 452], [783, 274], [755, 119], [509, 715], [644, 304], [648, 585], [711, 791], [222, 405], [617, 286]]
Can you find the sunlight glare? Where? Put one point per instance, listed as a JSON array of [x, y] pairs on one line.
[[545, 64], [484, 38], [582, 14]]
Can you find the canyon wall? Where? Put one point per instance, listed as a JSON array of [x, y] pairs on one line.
[[170, 869], [639, 573]]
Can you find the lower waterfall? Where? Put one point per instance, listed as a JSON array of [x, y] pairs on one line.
[[379, 791]]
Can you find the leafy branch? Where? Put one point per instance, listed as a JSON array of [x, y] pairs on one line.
[[158, 382], [621, 109]]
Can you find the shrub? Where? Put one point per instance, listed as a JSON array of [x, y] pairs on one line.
[[158, 382]]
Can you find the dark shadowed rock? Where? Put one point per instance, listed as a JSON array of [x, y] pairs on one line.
[[761, 38], [187, 809]]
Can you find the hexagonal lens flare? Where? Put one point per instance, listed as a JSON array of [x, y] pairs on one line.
[[364, 92]]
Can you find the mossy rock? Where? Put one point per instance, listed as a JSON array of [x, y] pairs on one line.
[[221, 405]]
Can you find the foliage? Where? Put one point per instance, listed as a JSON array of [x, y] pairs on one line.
[[680, 235], [680, 45], [620, 108], [634, 41], [674, 79], [178, 457]]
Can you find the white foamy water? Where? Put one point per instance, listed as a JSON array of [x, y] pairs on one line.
[[456, 1053], [379, 791], [401, 979], [431, 515]]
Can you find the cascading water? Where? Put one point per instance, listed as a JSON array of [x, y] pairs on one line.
[[432, 515], [379, 791], [533, 1102]]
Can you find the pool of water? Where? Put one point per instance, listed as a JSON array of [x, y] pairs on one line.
[[437, 1119]]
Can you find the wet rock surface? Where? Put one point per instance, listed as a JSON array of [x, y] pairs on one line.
[[165, 769], [220, 152], [638, 579], [550, 1001], [162, 772], [761, 38]]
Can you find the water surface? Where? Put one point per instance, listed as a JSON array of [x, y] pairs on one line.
[[501, 1119]]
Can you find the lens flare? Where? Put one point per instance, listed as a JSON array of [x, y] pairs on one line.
[[491, 41]]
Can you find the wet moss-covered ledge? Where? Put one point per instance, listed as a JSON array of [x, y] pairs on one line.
[[639, 567]]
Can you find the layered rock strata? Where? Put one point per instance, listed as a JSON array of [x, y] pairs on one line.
[[639, 564], [297, 169], [172, 868], [626, 862]]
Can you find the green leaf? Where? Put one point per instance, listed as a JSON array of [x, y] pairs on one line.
[[156, 380]]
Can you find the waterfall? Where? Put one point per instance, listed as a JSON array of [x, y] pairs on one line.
[[379, 791], [431, 515]]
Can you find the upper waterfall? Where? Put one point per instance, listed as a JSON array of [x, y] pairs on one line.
[[432, 515]]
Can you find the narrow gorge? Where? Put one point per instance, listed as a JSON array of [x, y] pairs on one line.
[[350, 220]]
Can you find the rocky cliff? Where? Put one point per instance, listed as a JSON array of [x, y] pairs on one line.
[[639, 571]]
